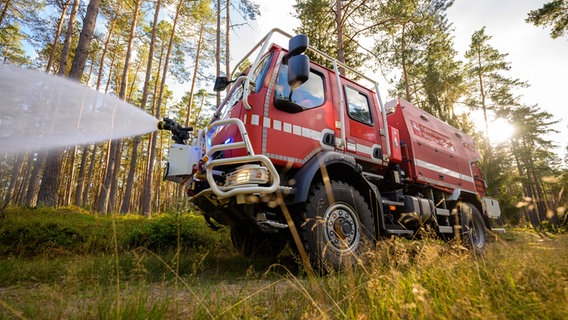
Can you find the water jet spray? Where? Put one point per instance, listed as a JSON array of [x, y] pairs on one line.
[[39, 111]]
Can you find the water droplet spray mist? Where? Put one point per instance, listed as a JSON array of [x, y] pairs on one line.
[[40, 111]]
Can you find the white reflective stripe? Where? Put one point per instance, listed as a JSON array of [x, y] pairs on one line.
[[267, 123], [277, 125], [446, 171], [364, 149], [297, 130], [316, 135]]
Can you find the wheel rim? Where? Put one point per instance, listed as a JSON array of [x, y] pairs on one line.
[[476, 233], [341, 228]]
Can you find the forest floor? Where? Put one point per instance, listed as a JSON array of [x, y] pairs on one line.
[[123, 273]]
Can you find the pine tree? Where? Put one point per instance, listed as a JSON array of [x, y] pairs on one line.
[[333, 27], [553, 14], [489, 89]]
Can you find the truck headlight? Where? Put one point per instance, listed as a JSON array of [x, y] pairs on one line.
[[247, 174]]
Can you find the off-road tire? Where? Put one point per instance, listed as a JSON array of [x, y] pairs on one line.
[[338, 226], [472, 229]]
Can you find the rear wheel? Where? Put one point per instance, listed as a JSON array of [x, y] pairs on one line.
[[338, 224], [473, 232]]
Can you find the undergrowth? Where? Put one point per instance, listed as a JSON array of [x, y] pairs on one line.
[[73, 231]]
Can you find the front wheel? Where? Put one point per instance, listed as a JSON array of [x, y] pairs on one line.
[[338, 224], [473, 232]]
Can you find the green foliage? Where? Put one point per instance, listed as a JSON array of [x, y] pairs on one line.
[[553, 14], [11, 45], [416, 39], [51, 232], [318, 21]]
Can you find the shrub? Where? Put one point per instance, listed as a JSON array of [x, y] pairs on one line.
[[45, 231]]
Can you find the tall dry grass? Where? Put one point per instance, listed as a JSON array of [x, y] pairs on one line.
[[521, 279]]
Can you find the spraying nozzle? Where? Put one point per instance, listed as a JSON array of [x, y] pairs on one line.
[[179, 133]]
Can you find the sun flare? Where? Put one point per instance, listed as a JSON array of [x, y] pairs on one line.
[[500, 131]]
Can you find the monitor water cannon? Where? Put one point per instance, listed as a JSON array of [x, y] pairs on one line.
[[179, 133]]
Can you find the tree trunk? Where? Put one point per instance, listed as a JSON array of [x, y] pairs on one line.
[[404, 67], [340, 51], [227, 38], [122, 95], [57, 34], [145, 92], [482, 93], [50, 181], [4, 11], [16, 174], [146, 208], [71, 176], [218, 51], [68, 39], [194, 79], [106, 186], [87, 32], [85, 197], [113, 193], [81, 176], [33, 185]]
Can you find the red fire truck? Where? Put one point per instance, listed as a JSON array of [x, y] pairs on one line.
[[298, 149]]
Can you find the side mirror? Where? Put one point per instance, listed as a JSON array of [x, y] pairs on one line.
[[221, 83], [298, 70], [298, 45]]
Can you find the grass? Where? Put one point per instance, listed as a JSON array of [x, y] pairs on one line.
[[521, 276]]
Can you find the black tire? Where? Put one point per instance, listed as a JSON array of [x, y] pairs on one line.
[[473, 232], [253, 243], [337, 226]]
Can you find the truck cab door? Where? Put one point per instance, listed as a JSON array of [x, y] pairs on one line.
[[362, 123], [298, 122]]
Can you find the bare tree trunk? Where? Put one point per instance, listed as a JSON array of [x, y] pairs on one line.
[[57, 34], [68, 38], [85, 38], [404, 67], [340, 51], [194, 79], [33, 185], [482, 93], [4, 10], [146, 208], [71, 176], [48, 190], [122, 96], [85, 197], [113, 194], [22, 191], [16, 173], [227, 37], [81, 176], [218, 50]]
